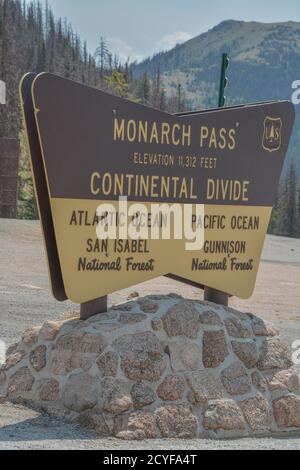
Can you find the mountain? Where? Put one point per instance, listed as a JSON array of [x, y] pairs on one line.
[[264, 62]]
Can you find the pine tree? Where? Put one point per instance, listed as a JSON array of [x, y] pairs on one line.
[[116, 83], [288, 216], [179, 98], [291, 207], [156, 87], [101, 55], [144, 89], [163, 102], [27, 208]]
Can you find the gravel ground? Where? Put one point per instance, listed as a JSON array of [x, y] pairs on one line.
[[25, 300], [25, 429]]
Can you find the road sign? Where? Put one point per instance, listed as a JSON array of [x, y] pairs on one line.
[[89, 147]]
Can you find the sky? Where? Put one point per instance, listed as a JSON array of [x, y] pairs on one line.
[[136, 29]]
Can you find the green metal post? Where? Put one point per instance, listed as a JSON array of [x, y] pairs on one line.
[[223, 80], [213, 295]]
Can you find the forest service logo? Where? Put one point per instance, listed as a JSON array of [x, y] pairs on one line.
[[272, 134]]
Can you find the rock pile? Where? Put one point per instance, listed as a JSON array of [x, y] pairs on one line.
[[160, 366]]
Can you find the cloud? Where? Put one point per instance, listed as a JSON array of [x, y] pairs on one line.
[[123, 50], [170, 40]]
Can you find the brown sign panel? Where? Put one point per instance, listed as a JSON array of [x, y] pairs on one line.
[[97, 147]]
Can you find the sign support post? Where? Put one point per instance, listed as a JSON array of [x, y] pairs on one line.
[[93, 307], [213, 295]]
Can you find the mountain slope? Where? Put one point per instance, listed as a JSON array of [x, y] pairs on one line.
[[264, 62]]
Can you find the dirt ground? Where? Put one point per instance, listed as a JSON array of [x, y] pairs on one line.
[[25, 300]]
